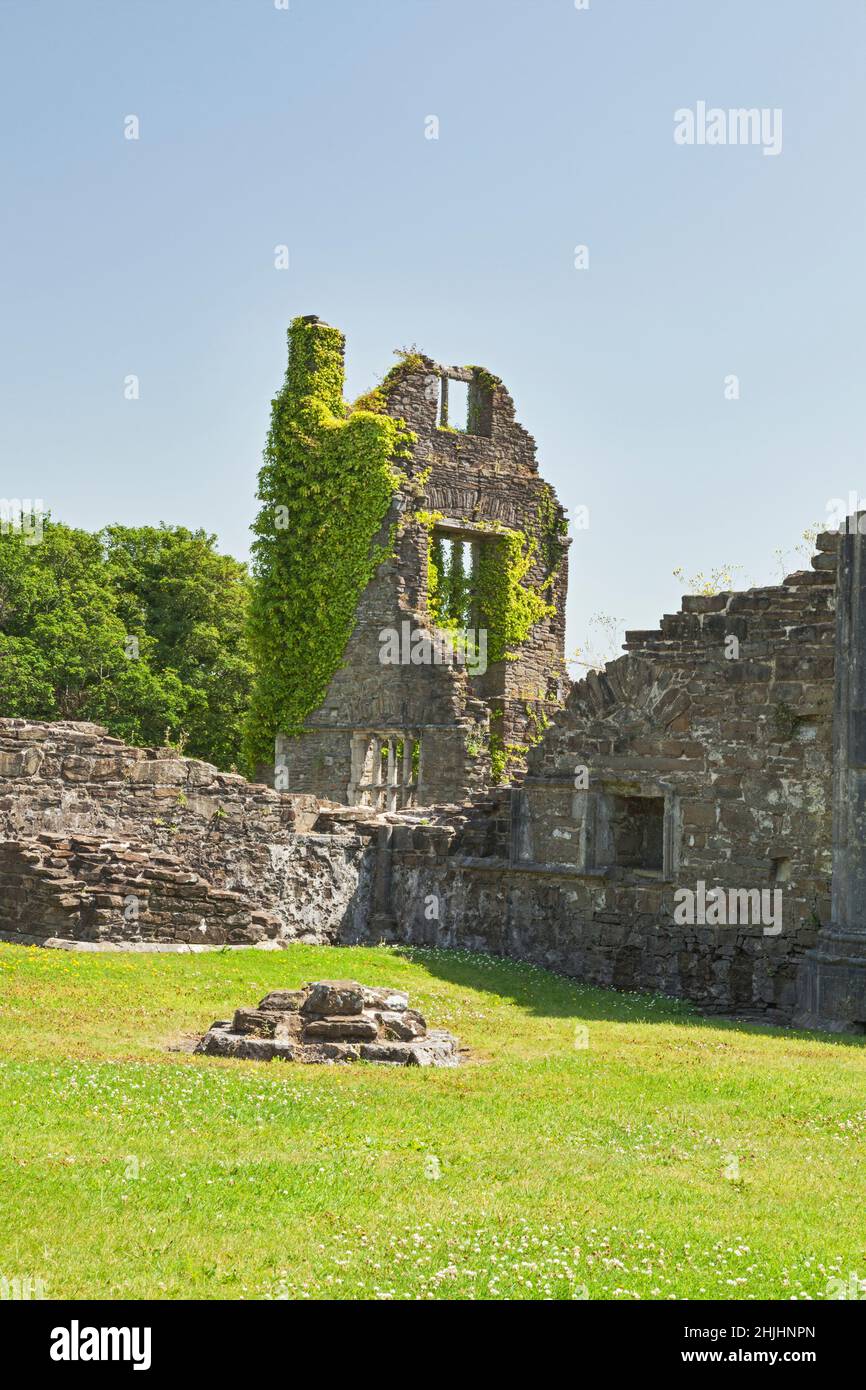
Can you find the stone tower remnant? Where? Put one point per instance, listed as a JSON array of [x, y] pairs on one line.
[[455, 659]]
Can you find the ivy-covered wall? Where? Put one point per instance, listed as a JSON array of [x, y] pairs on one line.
[[395, 513], [326, 484]]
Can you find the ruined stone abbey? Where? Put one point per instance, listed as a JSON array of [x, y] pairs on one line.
[[437, 798], [417, 724]]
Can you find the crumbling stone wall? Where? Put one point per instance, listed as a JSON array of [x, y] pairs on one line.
[[735, 753], [84, 888], [702, 755], [72, 778], [472, 485]]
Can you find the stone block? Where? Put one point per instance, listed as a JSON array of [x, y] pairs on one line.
[[402, 1026], [395, 1054], [329, 1052], [260, 1023], [157, 772], [394, 1000], [283, 999], [331, 997], [344, 1026]]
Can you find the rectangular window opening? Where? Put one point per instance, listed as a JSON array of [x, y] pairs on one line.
[[780, 870], [637, 831], [466, 406], [454, 572], [454, 403]]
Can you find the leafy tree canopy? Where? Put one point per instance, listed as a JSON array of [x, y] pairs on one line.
[[138, 628]]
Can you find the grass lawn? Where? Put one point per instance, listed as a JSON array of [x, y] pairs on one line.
[[666, 1157]]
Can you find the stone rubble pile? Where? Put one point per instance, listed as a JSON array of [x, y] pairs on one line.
[[332, 1021]]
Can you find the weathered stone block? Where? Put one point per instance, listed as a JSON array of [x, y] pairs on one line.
[[331, 997], [402, 1026], [329, 1052], [392, 1000], [395, 1054], [283, 999], [158, 771], [260, 1023], [344, 1026], [260, 1034]]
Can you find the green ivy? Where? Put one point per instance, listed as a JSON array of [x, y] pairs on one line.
[[458, 588], [325, 488], [435, 579], [376, 399], [553, 528], [506, 757], [538, 724], [509, 606], [485, 378]]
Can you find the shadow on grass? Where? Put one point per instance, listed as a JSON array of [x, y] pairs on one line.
[[545, 994]]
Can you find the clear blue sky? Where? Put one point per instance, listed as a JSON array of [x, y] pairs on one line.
[[260, 127]]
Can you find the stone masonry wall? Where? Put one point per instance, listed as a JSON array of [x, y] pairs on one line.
[[478, 481], [702, 755], [90, 889], [475, 482], [735, 754], [73, 778]]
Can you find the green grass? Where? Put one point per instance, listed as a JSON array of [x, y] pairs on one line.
[[539, 1169]]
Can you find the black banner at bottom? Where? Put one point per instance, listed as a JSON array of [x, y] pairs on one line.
[[208, 1337]]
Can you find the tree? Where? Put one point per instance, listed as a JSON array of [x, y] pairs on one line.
[[192, 603], [141, 629]]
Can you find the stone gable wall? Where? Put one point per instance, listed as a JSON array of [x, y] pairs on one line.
[[476, 482]]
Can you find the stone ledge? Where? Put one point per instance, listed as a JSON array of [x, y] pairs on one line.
[[62, 943]]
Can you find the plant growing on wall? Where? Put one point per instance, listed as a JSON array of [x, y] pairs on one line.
[[325, 487], [553, 528], [436, 578], [510, 607], [507, 605]]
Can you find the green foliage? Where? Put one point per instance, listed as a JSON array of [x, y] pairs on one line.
[[192, 603], [484, 378], [140, 629], [475, 745], [483, 387], [498, 760], [454, 588], [376, 398], [436, 560], [411, 360], [373, 400], [510, 608], [325, 487], [506, 605], [506, 758], [538, 723], [718, 581], [553, 527], [436, 580]]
